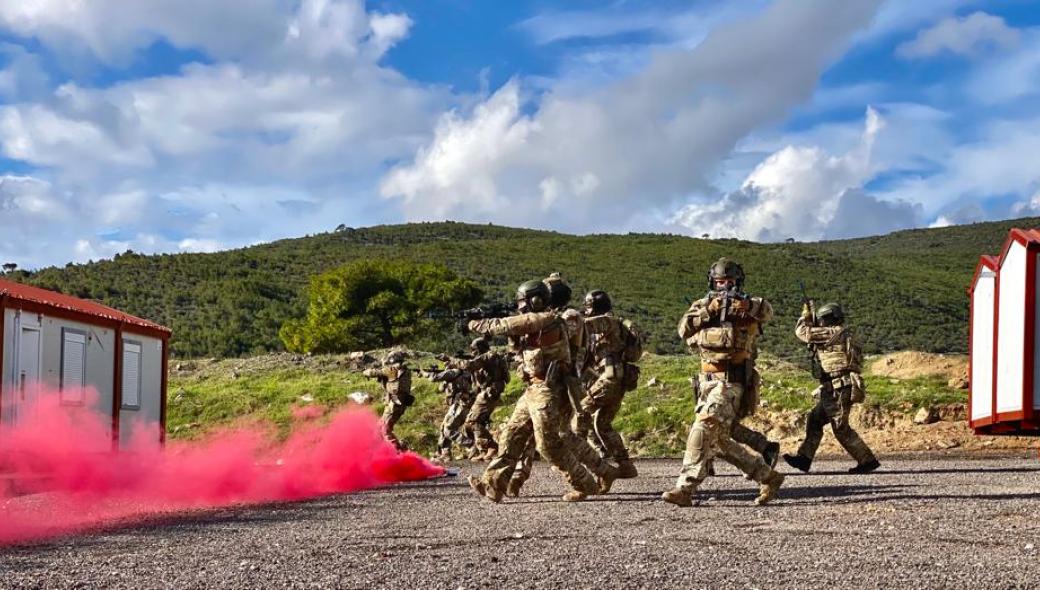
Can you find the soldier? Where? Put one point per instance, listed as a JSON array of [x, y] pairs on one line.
[[606, 346], [724, 328], [572, 416], [456, 382], [396, 379], [836, 363], [541, 335], [490, 372]]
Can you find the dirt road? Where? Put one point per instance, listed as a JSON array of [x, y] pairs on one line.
[[930, 522]]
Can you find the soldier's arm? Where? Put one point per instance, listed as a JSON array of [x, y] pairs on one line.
[[810, 334], [694, 319], [516, 325], [760, 310]]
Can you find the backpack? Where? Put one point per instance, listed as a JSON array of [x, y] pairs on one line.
[[632, 341]]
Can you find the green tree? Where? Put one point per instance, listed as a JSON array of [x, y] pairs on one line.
[[374, 303]]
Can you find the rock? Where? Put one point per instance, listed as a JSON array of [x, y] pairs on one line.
[[958, 383], [234, 375], [307, 398], [948, 444], [926, 415], [652, 382]]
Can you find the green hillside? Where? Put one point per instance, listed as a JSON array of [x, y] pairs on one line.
[[905, 290]]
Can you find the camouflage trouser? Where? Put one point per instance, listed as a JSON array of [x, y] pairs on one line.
[[569, 418], [596, 418], [711, 437], [392, 412], [538, 412], [752, 438], [451, 426], [478, 421], [833, 407]]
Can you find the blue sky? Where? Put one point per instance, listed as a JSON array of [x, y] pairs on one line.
[[197, 126]]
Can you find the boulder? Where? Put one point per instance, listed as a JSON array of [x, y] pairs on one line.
[[926, 415]]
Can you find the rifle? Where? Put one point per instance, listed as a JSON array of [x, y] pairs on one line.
[[482, 312], [728, 297], [814, 359]]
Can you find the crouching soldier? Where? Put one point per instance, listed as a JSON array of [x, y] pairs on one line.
[[836, 364], [396, 379]]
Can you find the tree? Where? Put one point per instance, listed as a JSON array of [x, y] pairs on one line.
[[10, 266], [376, 303]]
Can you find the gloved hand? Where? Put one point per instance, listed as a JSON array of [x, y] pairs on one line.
[[740, 307], [715, 305], [806, 311]]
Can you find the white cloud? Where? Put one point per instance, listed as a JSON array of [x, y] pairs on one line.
[[968, 36], [284, 128], [1009, 77], [804, 193], [196, 245], [647, 140]]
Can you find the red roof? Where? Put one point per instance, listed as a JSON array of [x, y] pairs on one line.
[[21, 292]]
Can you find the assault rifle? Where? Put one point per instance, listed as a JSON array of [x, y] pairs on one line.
[[727, 298], [814, 358], [482, 312]]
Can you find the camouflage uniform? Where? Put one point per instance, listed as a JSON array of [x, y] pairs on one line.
[[543, 341], [570, 412], [490, 372], [726, 348], [603, 399], [839, 380], [457, 385], [396, 380]]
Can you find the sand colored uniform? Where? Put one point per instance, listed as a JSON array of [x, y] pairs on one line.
[[602, 400], [490, 375], [726, 348], [840, 385], [396, 380], [457, 385], [542, 339]]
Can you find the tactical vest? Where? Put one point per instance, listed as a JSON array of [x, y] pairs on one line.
[[604, 338], [548, 348], [839, 355], [727, 342]]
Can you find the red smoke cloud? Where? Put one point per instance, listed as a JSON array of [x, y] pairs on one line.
[[55, 454]]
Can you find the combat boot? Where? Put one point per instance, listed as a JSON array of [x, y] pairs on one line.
[[627, 469], [771, 454], [770, 485], [574, 496], [679, 497], [483, 489], [798, 462], [607, 479], [865, 467], [513, 487]]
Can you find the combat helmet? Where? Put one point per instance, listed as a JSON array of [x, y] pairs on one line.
[[597, 302], [559, 291], [394, 357], [724, 268], [532, 296], [830, 314], [479, 345]]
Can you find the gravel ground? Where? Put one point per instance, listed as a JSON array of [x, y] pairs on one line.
[[925, 522]]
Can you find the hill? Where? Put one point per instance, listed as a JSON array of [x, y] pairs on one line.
[[904, 290]]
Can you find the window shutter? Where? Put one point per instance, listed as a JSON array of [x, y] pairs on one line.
[[131, 374], [73, 366]]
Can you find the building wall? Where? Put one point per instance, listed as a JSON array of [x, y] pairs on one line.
[[144, 422], [7, 366]]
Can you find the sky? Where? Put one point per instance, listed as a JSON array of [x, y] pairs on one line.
[[196, 126]]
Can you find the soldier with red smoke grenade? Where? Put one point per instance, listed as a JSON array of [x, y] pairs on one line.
[[396, 379]]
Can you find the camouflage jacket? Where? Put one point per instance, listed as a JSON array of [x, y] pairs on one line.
[[835, 346], [605, 343], [395, 379], [541, 338], [490, 370], [720, 343]]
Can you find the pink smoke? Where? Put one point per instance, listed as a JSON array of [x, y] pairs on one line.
[[74, 487]]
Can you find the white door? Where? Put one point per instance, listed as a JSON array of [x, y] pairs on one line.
[[27, 385]]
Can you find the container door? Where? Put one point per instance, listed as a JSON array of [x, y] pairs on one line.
[[27, 385]]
